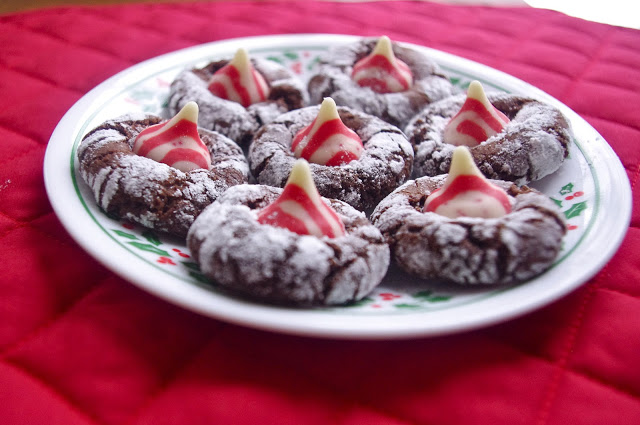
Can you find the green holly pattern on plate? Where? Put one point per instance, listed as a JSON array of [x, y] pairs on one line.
[[397, 295], [151, 247], [571, 202]]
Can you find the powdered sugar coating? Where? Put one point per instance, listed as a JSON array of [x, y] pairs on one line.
[[510, 249], [231, 118], [384, 164], [154, 194], [333, 79], [275, 265], [532, 145]]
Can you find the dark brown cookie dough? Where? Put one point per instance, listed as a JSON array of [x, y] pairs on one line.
[[151, 193], [534, 144], [231, 118], [510, 249], [333, 79], [384, 165], [274, 265]]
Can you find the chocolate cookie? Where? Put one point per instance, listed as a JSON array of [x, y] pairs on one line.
[[231, 118], [275, 265], [384, 165], [150, 193], [510, 249], [532, 145], [334, 80]]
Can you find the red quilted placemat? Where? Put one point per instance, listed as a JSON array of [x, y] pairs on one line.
[[80, 346]]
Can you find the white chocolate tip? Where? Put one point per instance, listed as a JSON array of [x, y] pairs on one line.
[[240, 59], [476, 91], [328, 110], [301, 176], [462, 164], [383, 47], [188, 112]]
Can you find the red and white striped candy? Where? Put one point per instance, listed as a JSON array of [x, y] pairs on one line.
[[466, 192], [327, 141], [382, 71], [175, 142], [300, 209], [239, 81], [476, 121]]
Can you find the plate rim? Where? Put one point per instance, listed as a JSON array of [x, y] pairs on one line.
[[288, 320]]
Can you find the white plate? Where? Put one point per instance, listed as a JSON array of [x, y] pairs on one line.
[[401, 306]]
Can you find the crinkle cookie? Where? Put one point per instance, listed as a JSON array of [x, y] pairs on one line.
[[275, 265], [228, 117], [384, 164], [151, 193], [334, 79], [532, 145], [505, 250]]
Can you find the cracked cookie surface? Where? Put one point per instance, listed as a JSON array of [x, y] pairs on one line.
[[150, 193], [274, 265], [506, 250], [384, 164], [333, 79], [532, 145], [231, 118]]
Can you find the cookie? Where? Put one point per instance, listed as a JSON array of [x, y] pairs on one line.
[[228, 117], [334, 79], [470, 251], [384, 163], [153, 194], [276, 265], [533, 143]]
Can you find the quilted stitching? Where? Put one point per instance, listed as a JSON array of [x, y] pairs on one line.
[[80, 346], [30, 304], [561, 363], [14, 145], [30, 400], [24, 198], [107, 364], [6, 224], [58, 70], [31, 91], [81, 32], [597, 355]]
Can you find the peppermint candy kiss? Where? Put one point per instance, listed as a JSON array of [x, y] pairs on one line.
[[327, 141], [466, 192], [300, 209], [476, 121], [238, 81], [175, 142], [382, 71]]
